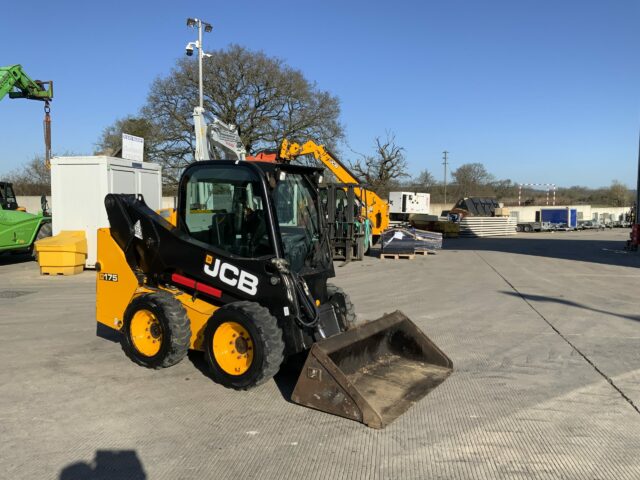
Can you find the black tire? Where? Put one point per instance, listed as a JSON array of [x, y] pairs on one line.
[[343, 306], [174, 328], [528, 228], [44, 231], [265, 341], [518, 228]]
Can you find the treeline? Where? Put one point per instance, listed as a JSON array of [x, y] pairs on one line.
[[473, 180], [33, 178], [385, 171]]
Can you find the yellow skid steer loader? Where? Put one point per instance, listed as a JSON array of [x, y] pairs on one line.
[[242, 276]]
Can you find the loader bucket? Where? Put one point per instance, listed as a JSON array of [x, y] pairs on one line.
[[373, 373]]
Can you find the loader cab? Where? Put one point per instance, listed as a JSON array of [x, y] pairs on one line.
[[225, 207], [255, 210], [7, 197]]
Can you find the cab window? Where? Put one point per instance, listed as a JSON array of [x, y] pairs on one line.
[[225, 207]]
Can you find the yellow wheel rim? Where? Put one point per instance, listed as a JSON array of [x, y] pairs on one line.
[[233, 348], [146, 333]]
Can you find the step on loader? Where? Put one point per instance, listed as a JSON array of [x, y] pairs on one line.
[[242, 277]]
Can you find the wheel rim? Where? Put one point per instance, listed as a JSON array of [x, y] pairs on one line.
[[146, 333], [233, 348]]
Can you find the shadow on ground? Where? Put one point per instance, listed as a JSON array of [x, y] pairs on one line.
[[570, 303], [559, 245], [9, 258], [107, 465]]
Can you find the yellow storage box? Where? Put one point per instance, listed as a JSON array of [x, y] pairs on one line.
[[62, 254]]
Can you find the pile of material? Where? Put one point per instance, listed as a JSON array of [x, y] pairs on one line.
[[483, 217], [433, 223], [476, 207], [427, 240], [408, 241], [487, 226]]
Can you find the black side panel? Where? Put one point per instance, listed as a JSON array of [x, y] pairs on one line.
[[158, 250]]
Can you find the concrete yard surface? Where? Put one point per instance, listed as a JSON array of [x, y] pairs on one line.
[[543, 330]]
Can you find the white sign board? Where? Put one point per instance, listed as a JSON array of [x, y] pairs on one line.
[[132, 147]]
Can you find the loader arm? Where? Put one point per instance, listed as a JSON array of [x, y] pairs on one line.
[[15, 82], [378, 209]]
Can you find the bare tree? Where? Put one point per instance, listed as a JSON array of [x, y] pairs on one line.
[[425, 180], [385, 165], [32, 178], [265, 98]]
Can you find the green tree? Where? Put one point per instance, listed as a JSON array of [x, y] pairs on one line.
[[472, 179], [619, 195], [110, 142]]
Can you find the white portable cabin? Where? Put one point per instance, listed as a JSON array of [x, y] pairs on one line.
[[409, 202], [80, 184]]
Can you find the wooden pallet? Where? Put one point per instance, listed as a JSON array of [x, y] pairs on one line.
[[425, 252], [72, 270], [397, 256]]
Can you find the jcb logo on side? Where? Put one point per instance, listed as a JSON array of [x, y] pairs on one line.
[[231, 275], [109, 277]]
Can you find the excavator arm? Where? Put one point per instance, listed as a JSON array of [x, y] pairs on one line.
[[378, 209]]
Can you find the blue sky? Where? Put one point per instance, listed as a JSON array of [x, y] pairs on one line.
[[537, 90]]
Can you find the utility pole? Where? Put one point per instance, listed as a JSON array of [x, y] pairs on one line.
[[445, 157]]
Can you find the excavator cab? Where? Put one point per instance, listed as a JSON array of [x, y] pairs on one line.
[[242, 276]]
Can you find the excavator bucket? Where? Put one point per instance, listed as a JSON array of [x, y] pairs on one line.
[[373, 373]]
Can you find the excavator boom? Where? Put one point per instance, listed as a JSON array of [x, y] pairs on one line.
[[378, 209]]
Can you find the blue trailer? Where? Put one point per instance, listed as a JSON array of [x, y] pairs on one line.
[[559, 218]]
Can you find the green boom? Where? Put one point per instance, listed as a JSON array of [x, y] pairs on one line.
[[17, 84], [18, 229]]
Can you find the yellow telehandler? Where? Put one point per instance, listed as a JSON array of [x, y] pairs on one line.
[[242, 276], [377, 208]]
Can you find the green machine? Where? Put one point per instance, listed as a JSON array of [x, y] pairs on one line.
[[19, 229]]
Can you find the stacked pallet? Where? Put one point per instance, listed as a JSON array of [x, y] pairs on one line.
[[406, 242], [487, 226]]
